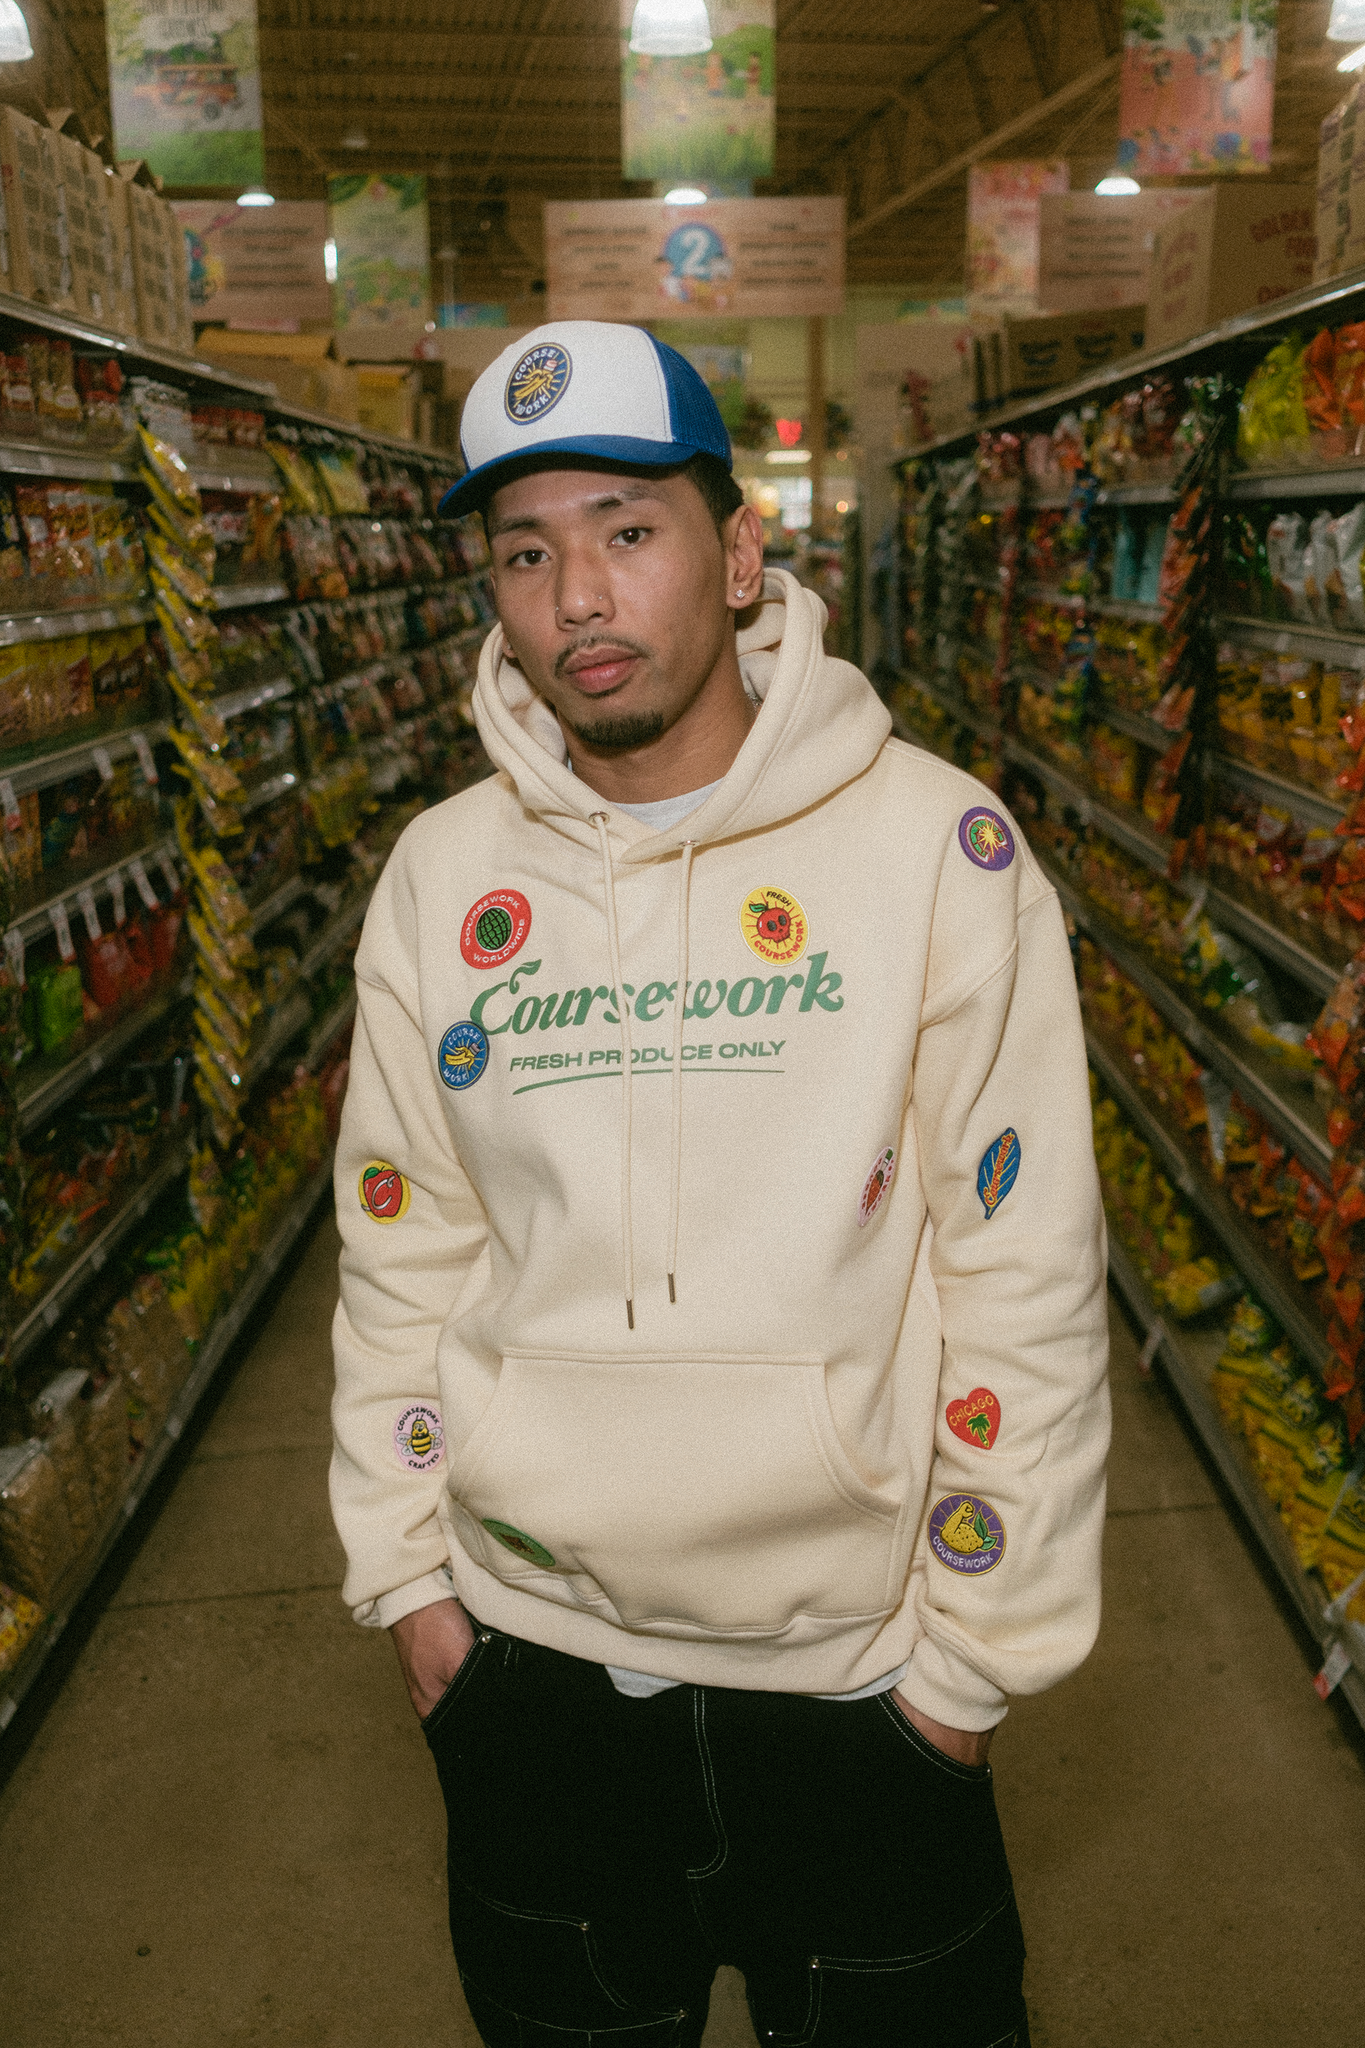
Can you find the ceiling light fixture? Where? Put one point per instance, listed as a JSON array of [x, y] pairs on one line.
[[787, 455], [685, 195], [256, 197], [1117, 185], [671, 28], [329, 260], [15, 47], [1353, 60], [1347, 24], [355, 138]]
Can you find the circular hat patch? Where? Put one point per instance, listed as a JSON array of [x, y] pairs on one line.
[[538, 381], [495, 928], [774, 925], [463, 1056], [522, 1545], [966, 1533], [877, 1186], [418, 1437], [985, 838], [384, 1192]]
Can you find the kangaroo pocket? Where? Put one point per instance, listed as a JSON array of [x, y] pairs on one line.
[[694, 1496]]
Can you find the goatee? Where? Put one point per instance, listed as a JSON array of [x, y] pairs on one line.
[[618, 735]]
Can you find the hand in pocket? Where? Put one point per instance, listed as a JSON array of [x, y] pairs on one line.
[[432, 1644]]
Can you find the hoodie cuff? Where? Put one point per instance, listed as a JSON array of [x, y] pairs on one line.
[[424, 1592], [944, 1686]]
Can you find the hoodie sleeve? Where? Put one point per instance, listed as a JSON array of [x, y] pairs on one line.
[[1007, 1566], [407, 1252]]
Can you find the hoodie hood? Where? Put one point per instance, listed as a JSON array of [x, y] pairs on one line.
[[820, 724]]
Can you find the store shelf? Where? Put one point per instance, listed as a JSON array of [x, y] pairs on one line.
[[1136, 494], [957, 707], [1128, 608], [1319, 975], [1145, 731], [58, 624], [207, 477], [232, 597], [38, 920], [15, 1684], [76, 760], [1284, 636], [334, 934], [45, 1315], [278, 902], [1275, 1290], [1184, 1357], [234, 702], [267, 792], [43, 1088], [1298, 1124], [29, 458], [1297, 483], [330, 1028], [291, 1019], [1309, 804]]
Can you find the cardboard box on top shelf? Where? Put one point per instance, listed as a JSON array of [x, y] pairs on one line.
[[123, 316], [298, 365], [1095, 253], [89, 231], [180, 277], [157, 319], [1341, 139], [387, 395], [1060, 348], [1238, 246], [39, 267]]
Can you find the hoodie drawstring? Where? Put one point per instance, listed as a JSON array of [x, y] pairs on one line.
[[599, 819], [679, 1005]]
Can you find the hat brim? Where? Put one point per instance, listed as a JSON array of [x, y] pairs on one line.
[[474, 489]]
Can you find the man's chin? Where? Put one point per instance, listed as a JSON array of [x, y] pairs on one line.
[[620, 734]]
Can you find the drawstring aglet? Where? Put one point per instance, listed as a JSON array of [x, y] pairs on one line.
[[672, 1291], [630, 1313]]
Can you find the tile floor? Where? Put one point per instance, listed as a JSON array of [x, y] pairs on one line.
[[226, 1828]]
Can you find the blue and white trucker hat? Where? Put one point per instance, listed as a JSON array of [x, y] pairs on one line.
[[584, 387]]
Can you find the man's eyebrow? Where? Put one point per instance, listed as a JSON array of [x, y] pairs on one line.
[[622, 494]]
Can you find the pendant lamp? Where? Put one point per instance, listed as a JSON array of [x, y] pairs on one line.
[[675, 28], [15, 47], [256, 196], [1117, 184], [1347, 23]]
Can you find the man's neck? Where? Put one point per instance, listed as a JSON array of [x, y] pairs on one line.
[[697, 749]]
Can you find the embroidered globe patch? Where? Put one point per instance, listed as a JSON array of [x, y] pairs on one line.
[[537, 382], [495, 928]]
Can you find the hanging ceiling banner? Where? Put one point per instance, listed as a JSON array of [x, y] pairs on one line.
[[1198, 90], [640, 259], [1004, 228], [259, 267], [705, 119], [185, 88], [383, 251]]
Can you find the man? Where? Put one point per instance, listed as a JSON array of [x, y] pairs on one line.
[[721, 1406]]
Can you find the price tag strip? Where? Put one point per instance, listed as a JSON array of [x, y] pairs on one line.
[[62, 927], [100, 757], [14, 954], [169, 872], [142, 885], [144, 757], [116, 891]]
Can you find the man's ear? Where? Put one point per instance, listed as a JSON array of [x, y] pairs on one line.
[[744, 557]]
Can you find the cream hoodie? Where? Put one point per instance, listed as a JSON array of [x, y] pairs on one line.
[[872, 1424]]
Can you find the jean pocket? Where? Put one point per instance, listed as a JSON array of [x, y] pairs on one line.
[[458, 1685], [545, 1969], [929, 1752]]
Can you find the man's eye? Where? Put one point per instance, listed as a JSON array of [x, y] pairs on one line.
[[631, 534], [530, 558]]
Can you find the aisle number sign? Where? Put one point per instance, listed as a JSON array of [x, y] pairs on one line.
[[639, 259], [185, 88]]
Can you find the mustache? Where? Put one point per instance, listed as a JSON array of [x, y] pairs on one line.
[[589, 646]]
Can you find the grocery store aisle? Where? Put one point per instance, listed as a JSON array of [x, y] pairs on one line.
[[227, 1828]]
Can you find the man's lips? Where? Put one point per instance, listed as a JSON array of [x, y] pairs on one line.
[[600, 669]]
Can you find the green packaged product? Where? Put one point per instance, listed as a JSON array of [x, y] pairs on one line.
[[60, 1012]]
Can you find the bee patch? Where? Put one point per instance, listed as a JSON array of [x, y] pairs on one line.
[[877, 1186], [418, 1437], [384, 1192], [774, 925], [985, 838], [977, 1419], [998, 1171], [966, 1534]]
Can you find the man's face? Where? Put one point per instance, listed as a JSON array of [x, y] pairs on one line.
[[612, 592]]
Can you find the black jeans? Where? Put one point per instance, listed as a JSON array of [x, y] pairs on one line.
[[607, 1854]]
